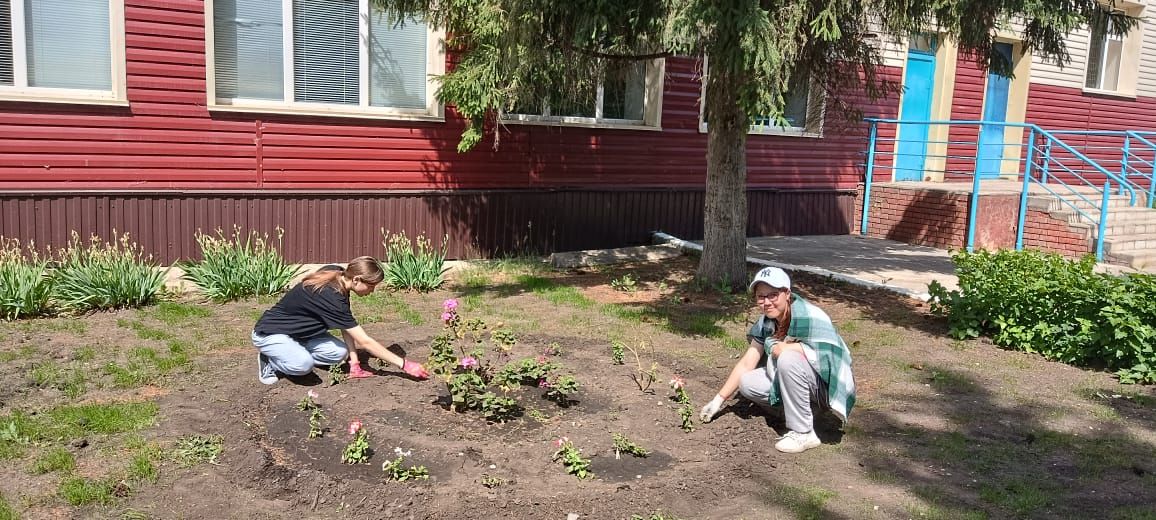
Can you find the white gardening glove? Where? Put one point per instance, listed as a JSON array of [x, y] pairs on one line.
[[708, 412]]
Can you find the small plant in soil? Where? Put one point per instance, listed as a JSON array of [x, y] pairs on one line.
[[617, 352], [624, 445], [626, 283], [553, 349], [492, 482], [560, 388], [196, 449], [394, 469], [358, 450], [315, 420], [309, 402], [685, 410], [642, 377], [337, 375], [572, 459]]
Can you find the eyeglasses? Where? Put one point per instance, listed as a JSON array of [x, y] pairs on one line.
[[771, 296]]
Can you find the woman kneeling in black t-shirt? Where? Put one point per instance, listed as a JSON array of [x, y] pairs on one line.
[[293, 336]]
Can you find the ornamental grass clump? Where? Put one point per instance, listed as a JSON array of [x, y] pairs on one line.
[[25, 287], [239, 265], [414, 264], [101, 275]]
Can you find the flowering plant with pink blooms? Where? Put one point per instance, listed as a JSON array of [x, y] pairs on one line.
[[685, 410], [572, 459], [457, 356], [358, 450]]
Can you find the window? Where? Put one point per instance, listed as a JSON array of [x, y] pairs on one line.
[[803, 112], [629, 95], [1105, 52], [339, 57], [62, 51]]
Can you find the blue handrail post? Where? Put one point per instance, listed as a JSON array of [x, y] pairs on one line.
[[1103, 222], [868, 177], [1024, 191], [1046, 163], [974, 206], [1152, 183], [1124, 165]]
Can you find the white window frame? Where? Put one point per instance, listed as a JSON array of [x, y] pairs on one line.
[[1130, 56], [435, 65], [651, 111], [20, 91], [816, 115]]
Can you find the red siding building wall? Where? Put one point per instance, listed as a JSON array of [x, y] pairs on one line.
[[166, 152]]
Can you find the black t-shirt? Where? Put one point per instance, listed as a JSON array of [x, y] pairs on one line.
[[305, 312]]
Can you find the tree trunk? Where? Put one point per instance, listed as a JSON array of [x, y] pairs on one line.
[[724, 252]]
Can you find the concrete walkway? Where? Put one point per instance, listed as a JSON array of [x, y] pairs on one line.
[[871, 262]]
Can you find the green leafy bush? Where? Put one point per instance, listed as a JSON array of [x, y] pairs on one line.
[[1062, 309], [237, 266], [413, 264], [104, 275], [25, 287]]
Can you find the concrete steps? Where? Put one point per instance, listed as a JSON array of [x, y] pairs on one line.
[[1130, 233]]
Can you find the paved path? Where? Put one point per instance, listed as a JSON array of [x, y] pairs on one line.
[[873, 262]]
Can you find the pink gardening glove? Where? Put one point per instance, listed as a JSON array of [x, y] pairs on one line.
[[414, 369], [356, 372]]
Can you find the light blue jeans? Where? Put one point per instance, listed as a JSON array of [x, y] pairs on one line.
[[287, 356]]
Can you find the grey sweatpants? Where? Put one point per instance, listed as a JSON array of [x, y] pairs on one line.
[[799, 386]]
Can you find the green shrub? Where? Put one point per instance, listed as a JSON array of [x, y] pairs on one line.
[[413, 264], [238, 266], [105, 275], [25, 287], [1062, 309]]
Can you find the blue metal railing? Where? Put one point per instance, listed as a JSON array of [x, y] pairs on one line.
[[1058, 167]]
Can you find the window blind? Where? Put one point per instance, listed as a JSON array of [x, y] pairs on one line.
[[397, 66], [325, 51], [6, 77], [68, 44], [248, 46]]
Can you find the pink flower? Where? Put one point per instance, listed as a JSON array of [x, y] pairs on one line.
[[544, 384], [447, 316], [469, 362], [561, 441], [677, 383], [541, 360], [450, 304], [354, 427], [312, 394]]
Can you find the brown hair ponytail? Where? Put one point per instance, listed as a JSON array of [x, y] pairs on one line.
[[365, 267]]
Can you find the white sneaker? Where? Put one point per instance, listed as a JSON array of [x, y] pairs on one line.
[[265, 373], [795, 442]]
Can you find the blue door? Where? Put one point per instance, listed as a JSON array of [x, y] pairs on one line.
[[918, 81], [989, 151]]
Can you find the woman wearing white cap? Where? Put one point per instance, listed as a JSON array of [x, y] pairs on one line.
[[795, 357]]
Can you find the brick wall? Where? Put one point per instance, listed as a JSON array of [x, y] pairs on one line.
[[938, 218]]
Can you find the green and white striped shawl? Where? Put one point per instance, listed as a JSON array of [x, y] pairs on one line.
[[812, 327]]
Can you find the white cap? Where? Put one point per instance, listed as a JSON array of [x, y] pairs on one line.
[[772, 276]]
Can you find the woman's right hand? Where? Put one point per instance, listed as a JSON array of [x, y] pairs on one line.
[[414, 369]]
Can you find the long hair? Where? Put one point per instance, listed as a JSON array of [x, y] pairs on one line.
[[365, 267]]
